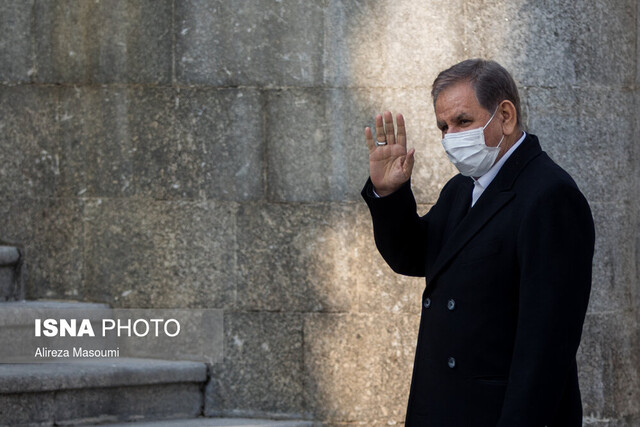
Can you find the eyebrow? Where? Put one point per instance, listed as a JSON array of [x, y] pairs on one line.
[[457, 119], [463, 116]]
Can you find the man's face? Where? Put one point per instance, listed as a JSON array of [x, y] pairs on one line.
[[457, 110]]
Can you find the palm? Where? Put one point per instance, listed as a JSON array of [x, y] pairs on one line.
[[390, 165]]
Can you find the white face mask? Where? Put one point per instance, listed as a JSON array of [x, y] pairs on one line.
[[468, 151]]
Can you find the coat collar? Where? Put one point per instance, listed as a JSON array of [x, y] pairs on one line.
[[494, 198]]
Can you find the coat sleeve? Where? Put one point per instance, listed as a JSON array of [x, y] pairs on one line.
[[400, 234], [555, 252]]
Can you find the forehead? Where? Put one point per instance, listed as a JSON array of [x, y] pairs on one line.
[[457, 99]]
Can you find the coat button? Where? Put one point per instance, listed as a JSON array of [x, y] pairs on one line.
[[451, 304], [427, 303], [451, 362]]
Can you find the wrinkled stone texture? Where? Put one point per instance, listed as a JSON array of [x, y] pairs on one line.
[[121, 41], [554, 43], [379, 288], [211, 154], [29, 160], [610, 365], [296, 258], [224, 130], [388, 43], [50, 233], [15, 26], [160, 254], [374, 384], [259, 43], [263, 366]]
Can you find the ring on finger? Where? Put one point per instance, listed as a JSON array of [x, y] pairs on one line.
[[381, 143]]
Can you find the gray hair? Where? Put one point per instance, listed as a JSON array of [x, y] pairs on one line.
[[491, 83]]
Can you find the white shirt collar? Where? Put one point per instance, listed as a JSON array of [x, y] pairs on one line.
[[480, 184]]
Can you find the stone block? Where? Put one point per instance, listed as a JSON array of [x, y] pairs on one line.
[[220, 422], [96, 374], [553, 43], [29, 163], [122, 141], [225, 128], [358, 367], [613, 261], [16, 58], [300, 148], [262, 372], [391, 43], [397, 366], [598, 26], [608, 366], [165, 166], [595, 421], [296, 257], [128, 403], [54, 256], [103, 42], [380, 290], [146, 254], [161, 143], [21, 409], [589, 132], [263, 43], [320, 154], [354, 53], [49, 231], [98, 142], [15, 227]]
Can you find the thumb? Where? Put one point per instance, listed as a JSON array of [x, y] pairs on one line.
[[407, 166]]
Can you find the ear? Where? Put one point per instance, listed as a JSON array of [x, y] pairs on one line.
[[507, 112]]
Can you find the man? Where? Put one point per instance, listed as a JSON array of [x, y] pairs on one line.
[[506, 252]]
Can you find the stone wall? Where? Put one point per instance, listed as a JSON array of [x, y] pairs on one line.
[[210, 154]]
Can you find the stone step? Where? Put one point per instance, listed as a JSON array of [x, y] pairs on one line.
[[216, 422], [9, 255], [11, 287], [21, 313], [99, 391]]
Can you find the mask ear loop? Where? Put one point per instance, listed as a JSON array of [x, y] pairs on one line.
[[485, 126], [494, 113]]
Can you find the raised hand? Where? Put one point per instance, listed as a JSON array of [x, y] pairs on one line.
[[390, 164]]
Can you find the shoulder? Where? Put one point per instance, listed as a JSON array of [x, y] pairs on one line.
[[543, 178], [550, 198]]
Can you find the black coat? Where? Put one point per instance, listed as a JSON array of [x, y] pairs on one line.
[[507, 288]]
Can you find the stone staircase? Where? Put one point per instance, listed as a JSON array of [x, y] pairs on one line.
[[114, 392]]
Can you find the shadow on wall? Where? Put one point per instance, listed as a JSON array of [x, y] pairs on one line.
[[577, 96]]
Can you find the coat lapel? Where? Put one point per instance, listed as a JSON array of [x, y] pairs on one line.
[[494, 198], [459, 208]]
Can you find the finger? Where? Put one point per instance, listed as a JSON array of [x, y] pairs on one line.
[[402, 132], [368, 136], [407, 166], [388, 127], [380, 136]]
